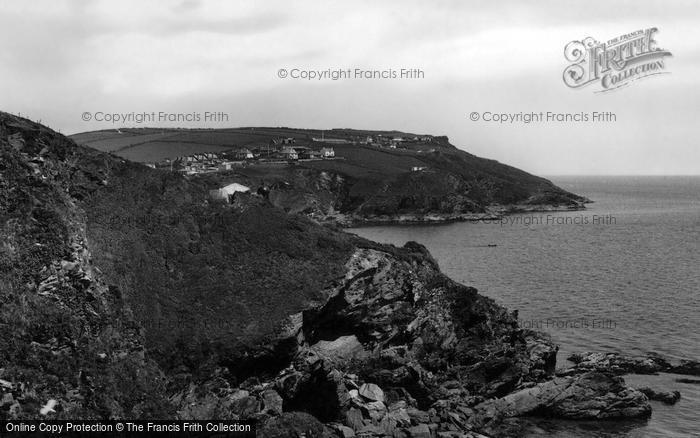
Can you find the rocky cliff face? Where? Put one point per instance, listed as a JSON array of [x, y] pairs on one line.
[[372, 185], [333, 196], [65, 335], [126, 294]]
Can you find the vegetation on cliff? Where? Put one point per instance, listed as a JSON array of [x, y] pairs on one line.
[[126, 293], [423, 180]]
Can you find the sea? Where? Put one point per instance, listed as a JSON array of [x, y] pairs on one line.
[[623, 276]]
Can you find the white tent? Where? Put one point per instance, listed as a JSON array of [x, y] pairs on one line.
[[233, 188], [225, 192]]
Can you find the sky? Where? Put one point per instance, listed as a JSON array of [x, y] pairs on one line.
[[61, 59]]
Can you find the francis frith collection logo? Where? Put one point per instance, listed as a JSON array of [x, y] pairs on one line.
[[615, 63]]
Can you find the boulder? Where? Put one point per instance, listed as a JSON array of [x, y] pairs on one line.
[[587, 396], [342, 349], [370, 391], [668, 397]]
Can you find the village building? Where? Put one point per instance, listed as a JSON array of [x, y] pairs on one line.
[[244, 154], [327, 153], [289, 153], [303, 152], [228, 165], [263, 150]]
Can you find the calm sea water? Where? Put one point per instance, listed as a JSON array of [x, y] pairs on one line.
[[623, 275]]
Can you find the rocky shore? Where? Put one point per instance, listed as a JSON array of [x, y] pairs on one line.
[[401, 351], [619, 364], [257, 314], [493, 214]]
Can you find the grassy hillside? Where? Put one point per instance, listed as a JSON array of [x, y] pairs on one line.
[[121, 285], [367, 182]]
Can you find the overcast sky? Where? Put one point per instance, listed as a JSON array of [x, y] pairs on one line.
[[62, 58]]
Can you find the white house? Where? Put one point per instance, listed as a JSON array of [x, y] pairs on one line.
[[327, 152]]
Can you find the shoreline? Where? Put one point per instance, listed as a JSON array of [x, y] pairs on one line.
[[496, 213]]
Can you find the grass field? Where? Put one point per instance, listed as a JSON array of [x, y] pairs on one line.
[[160, 150], [148, 144]]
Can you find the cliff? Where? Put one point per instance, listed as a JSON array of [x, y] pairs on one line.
[[127, 294], [424, 180]]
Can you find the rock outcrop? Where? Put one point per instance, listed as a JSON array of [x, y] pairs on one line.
[[620, 364], [69, 344], [399, 350], [587, 396], [125, 294], [668, 397]]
